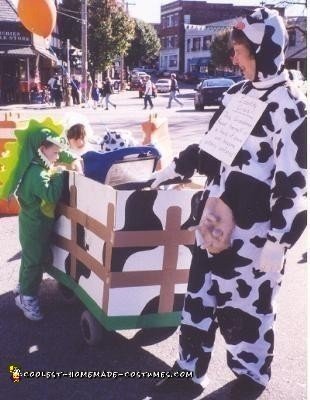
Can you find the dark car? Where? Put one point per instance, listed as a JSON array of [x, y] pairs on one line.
[[210, 92]]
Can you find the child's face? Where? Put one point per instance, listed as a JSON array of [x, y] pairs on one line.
[[77, 143], [51, 152]]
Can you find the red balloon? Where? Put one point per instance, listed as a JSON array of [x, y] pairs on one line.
[[38, 16]]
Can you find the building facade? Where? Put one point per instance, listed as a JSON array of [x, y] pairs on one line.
[[296, 54], [25, 58], [197, 41], [176, 15]]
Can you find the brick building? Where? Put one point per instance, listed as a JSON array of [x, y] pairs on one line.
[[176, 15]]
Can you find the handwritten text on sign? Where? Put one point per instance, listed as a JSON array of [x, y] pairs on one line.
[[233, 127]]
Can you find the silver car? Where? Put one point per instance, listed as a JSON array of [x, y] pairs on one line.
[[163, 85]]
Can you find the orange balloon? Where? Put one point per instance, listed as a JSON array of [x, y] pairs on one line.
[[38, 16]]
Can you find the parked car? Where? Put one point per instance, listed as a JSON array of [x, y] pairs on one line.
[[163, 85], [196, 77], [163, 73], [210, 92]]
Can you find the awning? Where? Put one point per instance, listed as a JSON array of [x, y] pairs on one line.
[[46, 53], [28, 51], [17, 52]]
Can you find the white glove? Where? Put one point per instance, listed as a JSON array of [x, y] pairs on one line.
[[163, 175], [272, 256]]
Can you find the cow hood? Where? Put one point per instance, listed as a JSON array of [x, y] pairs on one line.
[[266, 31]]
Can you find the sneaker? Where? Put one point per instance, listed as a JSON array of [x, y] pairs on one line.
[[246, 388], [106, 108], [29, 306], [16, 290]]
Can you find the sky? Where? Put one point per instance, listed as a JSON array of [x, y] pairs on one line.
[[149, 10]]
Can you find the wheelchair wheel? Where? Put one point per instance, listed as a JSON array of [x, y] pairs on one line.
[[92, 331]]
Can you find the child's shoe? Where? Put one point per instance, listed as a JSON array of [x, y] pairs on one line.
[[29, 306]]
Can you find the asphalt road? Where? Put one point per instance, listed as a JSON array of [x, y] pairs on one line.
[[55, 344]]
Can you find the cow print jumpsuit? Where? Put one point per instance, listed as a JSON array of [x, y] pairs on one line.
[[265, 188]]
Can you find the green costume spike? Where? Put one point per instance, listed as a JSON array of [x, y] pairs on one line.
[[19, 154]]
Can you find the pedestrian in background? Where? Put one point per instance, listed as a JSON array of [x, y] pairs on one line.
[[57, 92], [95, 95], [50, 85], [108, 90], [89, 86], [148, 93], [174, 89], [76, 90], [252, 211]]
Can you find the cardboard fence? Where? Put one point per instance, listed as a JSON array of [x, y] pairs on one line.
[[126, 254]]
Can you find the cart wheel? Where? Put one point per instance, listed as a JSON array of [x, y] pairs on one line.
[[67, 294], [92, 331]]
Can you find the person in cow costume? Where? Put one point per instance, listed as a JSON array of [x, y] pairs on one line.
[[252, 211]]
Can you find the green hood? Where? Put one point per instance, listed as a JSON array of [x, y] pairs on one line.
[[18, 155]]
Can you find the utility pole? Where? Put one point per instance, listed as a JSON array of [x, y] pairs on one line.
[[68, 58], [122, 55], [84, 48]]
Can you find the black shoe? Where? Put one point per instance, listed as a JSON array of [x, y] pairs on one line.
[[144, 108], [245, 388], [115, 106], [178, 385]]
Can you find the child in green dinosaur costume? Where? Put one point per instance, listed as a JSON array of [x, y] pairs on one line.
[[28, 170]]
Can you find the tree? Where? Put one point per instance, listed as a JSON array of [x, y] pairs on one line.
[[221, 49], [110, 30], [145, 45]]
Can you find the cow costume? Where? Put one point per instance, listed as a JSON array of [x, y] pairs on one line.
[[264, 187]]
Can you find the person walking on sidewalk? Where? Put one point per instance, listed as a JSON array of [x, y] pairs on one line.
[[108, 91], [148, 93], [174, 89], [252, 211], [95, 95]]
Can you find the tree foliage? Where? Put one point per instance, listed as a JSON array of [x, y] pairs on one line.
[[221, 49], [145, 45], [110, 30]]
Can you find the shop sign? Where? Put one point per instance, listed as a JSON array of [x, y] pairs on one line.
[[14, 34]]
